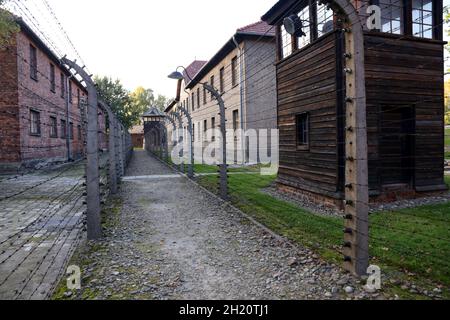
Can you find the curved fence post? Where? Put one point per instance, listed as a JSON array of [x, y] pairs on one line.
[[94, 229], [223, 180], [180, 139], [191, 146]]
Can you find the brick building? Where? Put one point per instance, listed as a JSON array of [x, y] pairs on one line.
[[34, 125]]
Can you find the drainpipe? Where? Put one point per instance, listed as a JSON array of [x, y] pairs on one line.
[[69, 158], [241, 88]]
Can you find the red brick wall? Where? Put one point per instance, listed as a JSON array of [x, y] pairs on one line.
[[9, 118], [37, 95]]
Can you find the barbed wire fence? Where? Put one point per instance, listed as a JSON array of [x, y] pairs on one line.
[[46, 213], [419, 254]]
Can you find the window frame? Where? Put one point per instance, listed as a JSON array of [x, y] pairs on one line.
[[222, 80], [37, 113], [52, 78], [304, 146], [71, 132], [63, 85], [234, 71], [235, 119], [33, 63], [53, 127], [212, 80], [63, 129]]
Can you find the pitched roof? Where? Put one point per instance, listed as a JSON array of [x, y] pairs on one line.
[[193, 69], [258, 28], [153, 112]]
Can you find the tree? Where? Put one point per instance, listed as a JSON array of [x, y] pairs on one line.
[[8, 27], [113, 93], [145, 99]]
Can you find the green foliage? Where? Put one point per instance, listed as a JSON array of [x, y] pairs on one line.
[[7, 26], [145, 98], [113, 93], [128, 106]]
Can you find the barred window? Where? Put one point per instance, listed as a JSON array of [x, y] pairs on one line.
[[63, 85], [325, 22], [234, 71], [212, 85], [52, 78], [286, 43], [63, 129], [302, 128], [198, 98], [222, 80], [53, 127], [422, 18], [35, 122], [391, 16], [306, 39], [33, 63]]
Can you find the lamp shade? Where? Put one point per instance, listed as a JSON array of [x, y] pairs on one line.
[[176, 75]]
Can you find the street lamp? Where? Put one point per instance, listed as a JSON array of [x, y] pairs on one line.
[[223, 184]]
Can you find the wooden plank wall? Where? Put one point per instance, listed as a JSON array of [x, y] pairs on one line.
[[306, 82], [407, 72]]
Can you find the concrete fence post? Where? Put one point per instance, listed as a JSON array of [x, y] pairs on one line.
[[94, 230], [191, 143], [223, 167], [112, 150], [180, 139]]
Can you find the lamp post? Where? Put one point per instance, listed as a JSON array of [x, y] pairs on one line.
[[223, 184]]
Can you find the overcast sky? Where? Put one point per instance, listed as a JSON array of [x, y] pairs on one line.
[[141, 42]]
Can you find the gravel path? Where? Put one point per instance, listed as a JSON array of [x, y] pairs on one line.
[[172, 240]]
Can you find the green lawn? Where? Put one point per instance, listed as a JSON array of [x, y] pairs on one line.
[[402, 242], [447, 142]]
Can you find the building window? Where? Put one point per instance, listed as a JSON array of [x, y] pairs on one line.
[[422, 18], [205, 128], [35, 123], [286, 43], [222, 83], [53, 127], [325, 22], [33, 63], [198, 98], [52, 78], [302, 128], [235, 120], [204, 95], [193, 101], [63, 85], [306, 39], [70, 92], [63, 129], [391, 16], [71, 131], [79, 132], [193, 132], [78, 97], [213, 126], [212, 85], [234, 71]]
